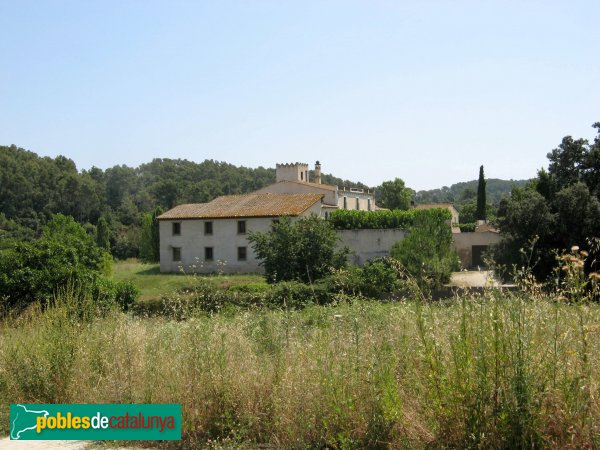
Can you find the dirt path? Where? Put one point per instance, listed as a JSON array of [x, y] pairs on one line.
[[483, 278], [5, 443]]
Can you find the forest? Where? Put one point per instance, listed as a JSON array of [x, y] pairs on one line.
[[33, 188]]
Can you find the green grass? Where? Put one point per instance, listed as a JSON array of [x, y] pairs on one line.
[[153, 284], [500, 371]]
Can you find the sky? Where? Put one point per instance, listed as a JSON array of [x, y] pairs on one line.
[[426, 91]]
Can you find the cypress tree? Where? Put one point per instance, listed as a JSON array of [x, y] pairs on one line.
[[103, 234], [149, 246], [481, 200]]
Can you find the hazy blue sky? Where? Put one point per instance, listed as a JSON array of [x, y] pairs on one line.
[[424, 90]]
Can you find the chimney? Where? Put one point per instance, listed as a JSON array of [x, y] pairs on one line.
[[318, 172]]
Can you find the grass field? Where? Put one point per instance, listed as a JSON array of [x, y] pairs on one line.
[[153, 284], [500, 371]]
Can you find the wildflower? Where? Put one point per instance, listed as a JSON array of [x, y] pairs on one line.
[[584, 254], [595, 275], [575, 248], [337, 316]]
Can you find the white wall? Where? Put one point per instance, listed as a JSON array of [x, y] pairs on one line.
[[369, 244], [294, 172], [225, 241], [299, 188], [463, 244], [363, 200]]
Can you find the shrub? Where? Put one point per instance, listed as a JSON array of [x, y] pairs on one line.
[[64, 254], [379, 276], [427, 252], [292, 294], [467, 227], [126, 293], [304, 250]]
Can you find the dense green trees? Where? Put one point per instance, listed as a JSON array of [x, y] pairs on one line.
[[303, 250], [557, 210], [33, 188], [65, 253], [394, 195], [463, 192]]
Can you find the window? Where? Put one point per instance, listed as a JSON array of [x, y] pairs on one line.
[[176, 228], [357, 203], [207, 228], [208, 254], [345, 203], [242, 253], [369, 204], [301, 176], [241, 227], [177, 254]]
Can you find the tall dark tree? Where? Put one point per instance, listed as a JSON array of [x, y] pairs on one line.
[[103, 234], [481, 200], [149, 246]]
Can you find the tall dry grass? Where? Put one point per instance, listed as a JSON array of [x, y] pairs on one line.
[[499, 371]]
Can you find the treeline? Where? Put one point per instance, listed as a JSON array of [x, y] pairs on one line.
[[463, 192], [33, 188], [554, 221]]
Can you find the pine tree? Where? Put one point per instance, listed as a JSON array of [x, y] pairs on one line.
[[481, 200]]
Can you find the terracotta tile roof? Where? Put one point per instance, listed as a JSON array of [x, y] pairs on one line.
[[249, 205]]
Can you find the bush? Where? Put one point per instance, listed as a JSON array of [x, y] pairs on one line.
[[103, 294], [292, 294], [304, 250], [107, 293], [126, 293], [376, 278], [379, 276], [467, 227], [427, 252]]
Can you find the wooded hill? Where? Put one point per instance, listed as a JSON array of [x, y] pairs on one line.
[[460, 193], [32, 188]]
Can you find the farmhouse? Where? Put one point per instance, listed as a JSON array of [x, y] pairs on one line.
[[212, 237]]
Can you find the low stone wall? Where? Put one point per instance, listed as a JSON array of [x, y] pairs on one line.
[[369, 244]]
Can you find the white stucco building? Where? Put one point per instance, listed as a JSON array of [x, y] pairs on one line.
[[213, 237], [293, 178]]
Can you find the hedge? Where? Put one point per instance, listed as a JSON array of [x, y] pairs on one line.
[[343, 219]]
